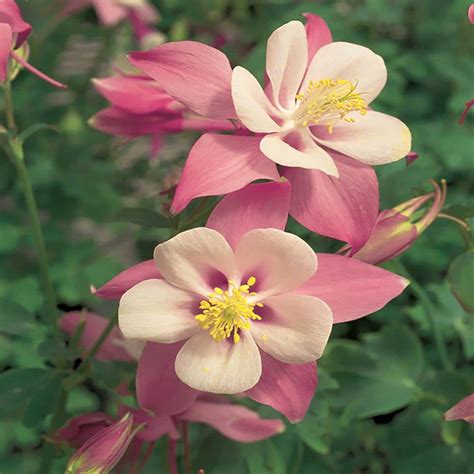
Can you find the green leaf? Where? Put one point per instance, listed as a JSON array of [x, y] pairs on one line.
[[17, 387], [461, 278], [376, 377], [264, 458], [15, 320], [141, 217], [44, 400]]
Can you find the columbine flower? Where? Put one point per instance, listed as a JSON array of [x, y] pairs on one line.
[[139, 106], [199, 303], [463, 410], [13, 47], [101, 453], [313, 118], [470, 13], [395, 231]]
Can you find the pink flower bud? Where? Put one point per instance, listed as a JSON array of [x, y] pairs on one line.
[[463, 410], [396, 229], [470, 13], [101, 453], [83, 427]]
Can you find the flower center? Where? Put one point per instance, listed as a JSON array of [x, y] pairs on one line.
[[225, 313], [326, 102]]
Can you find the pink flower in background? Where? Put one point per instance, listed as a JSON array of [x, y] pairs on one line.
[[463, 410], [13, 34], [140, 13], [312, 119], [470, 13], [102, 452], [278, 350], [139, 106], [395, 231]]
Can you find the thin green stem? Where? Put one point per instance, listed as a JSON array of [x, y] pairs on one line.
[[429, 310], [7, 92], [98, 344]]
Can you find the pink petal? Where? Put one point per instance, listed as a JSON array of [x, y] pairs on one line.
[[233, 421], [136, 94], [94, 326], [10, 14], [470, 13], [193, 73], [294, 328], [351, 62], [119, 284], [463, 410], [196, 260], [278, 260], [158, 388], [257, 206], [155, 427], [318, 34], [343, 208], [155, 311], [220, 164], [6, 43], [373, 139], [287, 388], [352, 289], [80, 428], [286, 62], [110, 12], [297, 149], [219, 367], [252, 106]]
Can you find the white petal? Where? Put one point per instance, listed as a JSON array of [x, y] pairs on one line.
[[351, 62], [278, 260], [287, 56], [373, 139], [294, 329], [251, 104], [154, 310], [297, 149], [219, 367], [196, 260]]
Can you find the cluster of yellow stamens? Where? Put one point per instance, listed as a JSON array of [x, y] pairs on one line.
[[228, 311], [327, 101]]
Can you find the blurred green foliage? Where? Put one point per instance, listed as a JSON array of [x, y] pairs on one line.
[[383, 382]]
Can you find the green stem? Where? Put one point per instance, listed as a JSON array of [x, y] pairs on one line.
[[98, 344], [429, 310], [9, 105]]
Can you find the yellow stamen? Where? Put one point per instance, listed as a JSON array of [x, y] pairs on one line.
[[327, 101], [227, 312]]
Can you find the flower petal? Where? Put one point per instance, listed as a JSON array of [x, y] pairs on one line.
[[219, 367], [351, 62], [94, 326], [6, 44], [278, 260], [158, 388], [257, 206], [343, 208], [253, 107], [463, 410], [156, 311], [10, 15], [220, 164], [233, 421], [352, 289], [318, 34], [297, 149], [294, 329], [193, 73], [194, 259], [115, 288], [109, 12], [286, 62], [374, 138], [287, 388]]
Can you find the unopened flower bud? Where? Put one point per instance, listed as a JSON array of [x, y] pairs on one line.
[[396, 229]]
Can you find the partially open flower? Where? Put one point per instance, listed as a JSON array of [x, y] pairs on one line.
[[397, 229], [463, 410], [101, 453]]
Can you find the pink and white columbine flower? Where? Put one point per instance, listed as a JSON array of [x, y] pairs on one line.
[[139, 106], [198, 306], [313, 119]]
